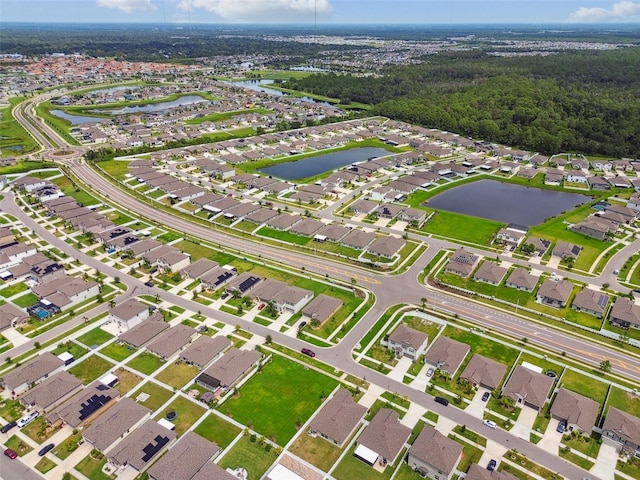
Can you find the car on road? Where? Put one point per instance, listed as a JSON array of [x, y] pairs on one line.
[[485, 396], [616, 272], [149, 283], [308, 352], [27, 419], [490, 424], [441, 401], [7, 427], [46, 449], [429, 372], [491, 466], [10, 453], [562, 426]]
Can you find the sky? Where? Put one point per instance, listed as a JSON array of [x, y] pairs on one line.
[[322, 11]]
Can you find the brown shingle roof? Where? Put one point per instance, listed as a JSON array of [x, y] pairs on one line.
[[33, 371], [172, 340], [51, 391], [131, 450], [144, 331], [623, 424], [408, 336], [114, 423], [576, 409], [448, 354], [338, 417], [385, 435], [476, 472], [437, 450], [205, 349], [483, 371], [532, 387], [184, 459]]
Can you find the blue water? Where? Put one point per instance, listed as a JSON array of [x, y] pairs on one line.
[[77, 119], [309, 167], [42, 313], [260, 86], [155, 107]]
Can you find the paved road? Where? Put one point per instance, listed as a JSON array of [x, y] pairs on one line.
[[16, 470]]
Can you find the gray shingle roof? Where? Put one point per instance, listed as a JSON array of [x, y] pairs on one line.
[[144, 331], [483, 371], [172, 340], [622, 424], [141, 446], [114, 423], [205, 349], [532, 387], [52, 390], [232, 365], [576, 409], [338, 417], [447, 353], [385, 435], [437, 450], [33, 371], [184, 459]]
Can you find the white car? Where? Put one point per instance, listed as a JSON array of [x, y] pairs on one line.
[[27, 419], [490, 424]]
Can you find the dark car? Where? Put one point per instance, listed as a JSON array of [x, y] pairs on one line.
[[7, 427], [149, 283], [492, 465], [485, 396], [306, 351], [10, 453], [44, 450], [562, 426], [442, 401]]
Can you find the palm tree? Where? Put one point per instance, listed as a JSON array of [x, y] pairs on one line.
[[424, 303]]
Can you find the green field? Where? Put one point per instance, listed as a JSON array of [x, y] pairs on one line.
[[157, 395], [316, 450], [218, 430], [483, 346], [283, 236], [465, 228], [146, 363], [177, 375], [90, 369], [15, 139], [97, 336], [284, 394], [188, 413], [625, 401], [118, 351], [26, 300], [256, 458], [587, 386]]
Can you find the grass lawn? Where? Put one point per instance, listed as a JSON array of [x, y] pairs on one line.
[[470, 454], [406, 473], [252, 456], [483, 346], [14, 289], [97, 336], [90, 369], [582, 443], [44, 465], [283, 236], [116, 168], [587, 386], [26, 300], [126, 380], [67, 447], [72, 347], [91, 467], [624, 401], [18, 446], [146, 363], [577, 459], [118, 351], [11, 410], [218, 430], [188, 412], [469, 229], [316, 450], [198, 251], [158, 396], [283, 395], [631, 467], [178, 375], [350, 467], [39, 430], [471, 435]]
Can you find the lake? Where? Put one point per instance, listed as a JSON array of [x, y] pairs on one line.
[[262, 86], [506, 202], [312, 166], [155, 107], [77, 119]]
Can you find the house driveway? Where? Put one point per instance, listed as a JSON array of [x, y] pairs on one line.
[[444, 425], [522, 428], [605, 465], [493, 451], [399, 225], [400, 369], [552, 438], [413, 415], [421, 381], [477, 406]]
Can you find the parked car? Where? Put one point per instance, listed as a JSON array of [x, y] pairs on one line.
[[261, 306], [224, 295], [149, 283], [308, 352], [429, 372], [490, 424], [27, 419], [492, 465], [46, 449], [442, 401], [562, 426], [485, 396], [551, 374], [302, 325], [10, 453], [7, 427]]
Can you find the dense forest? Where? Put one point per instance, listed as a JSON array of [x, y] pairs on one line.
[[582, 101]]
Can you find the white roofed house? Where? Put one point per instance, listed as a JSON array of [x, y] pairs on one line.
[[406, 342], [129, 313], [512, 234]]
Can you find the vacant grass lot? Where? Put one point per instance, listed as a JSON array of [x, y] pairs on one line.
[[483, 346], [158, 395], [316, 450], [126, 380], [188, 412], [14, 289], [178, 375], [625, 401], [72, 347], [256, 458], [146, 363], [468, 229], [216, 429], [90, 369], [283, 236], [97, 336], [116, 168], [284, 394], [118, 351], [25, 300]]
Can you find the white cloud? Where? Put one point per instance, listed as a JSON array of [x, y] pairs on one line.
[[129, 6], [261, 10], [622, 10]]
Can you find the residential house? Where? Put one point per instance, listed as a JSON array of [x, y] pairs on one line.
[[331, 233], [554, 293], [129, 313], [512, 234], [625, 313], [383, 439], [446, 354], [185, 459], [623, 429], [577, 177], [338, 418], [321, 308], [579, 412], [172, 341], [413, 215], [229, 369], [476, 472], [461, 263], [285, 298], [306, 227], [358, 239], [406, 342], [84, 406], [12, 316], [528, 387], [51, 392], [387, 246], [434, 455], [598, 183], [540, 245], [198, 268], [484, 372], [31, 373], [211, 471], [594, 227], [243, 283], [566, 250], [591, 302], [363, 207], [145, 331], [490, 272], [114, 424], [141, 446], [204, 350], [553, 176]]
